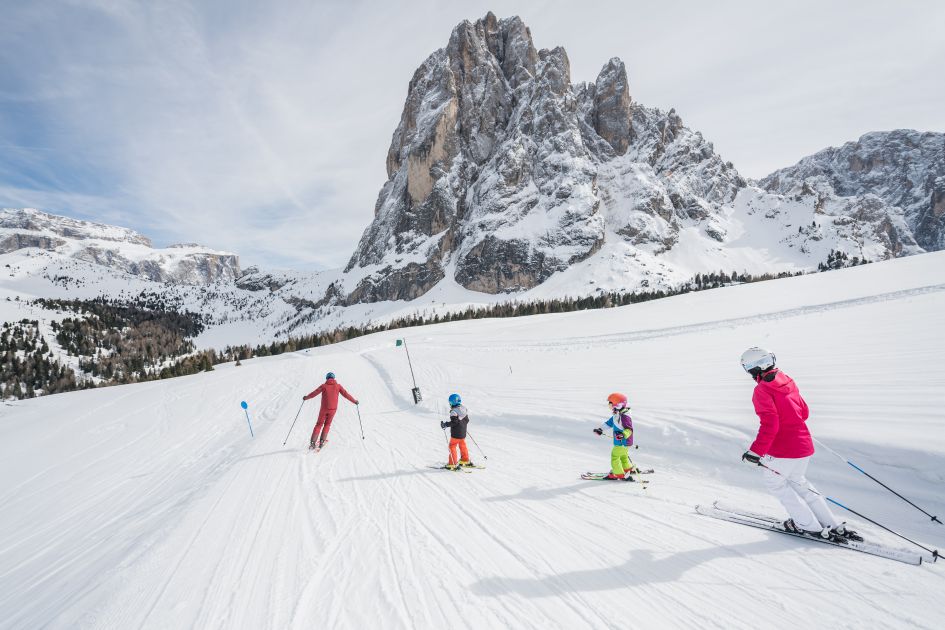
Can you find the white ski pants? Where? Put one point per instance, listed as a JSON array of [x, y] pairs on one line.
[[806, 507]]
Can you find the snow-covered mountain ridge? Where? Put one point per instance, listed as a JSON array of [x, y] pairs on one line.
[[509, 183], [903, 168], [117, 248], [503, 176]]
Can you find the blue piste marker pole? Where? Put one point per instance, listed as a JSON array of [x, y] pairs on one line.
[[246, 411]]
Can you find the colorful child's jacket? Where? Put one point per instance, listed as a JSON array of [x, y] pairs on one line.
[[622, 426]]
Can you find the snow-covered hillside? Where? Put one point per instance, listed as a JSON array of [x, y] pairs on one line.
[[903, 168], [150, 506], [116, 248]]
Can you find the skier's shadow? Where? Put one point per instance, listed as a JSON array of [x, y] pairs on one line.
[[395, 473], [534, 493], [643, 567]]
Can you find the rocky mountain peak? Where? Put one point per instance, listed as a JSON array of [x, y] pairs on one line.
[[499, 166], [502, 174], [612, 103]]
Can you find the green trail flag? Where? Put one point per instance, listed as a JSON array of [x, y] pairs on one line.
[[400, 342]]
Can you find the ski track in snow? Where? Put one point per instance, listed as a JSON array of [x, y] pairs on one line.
[[149, 506]]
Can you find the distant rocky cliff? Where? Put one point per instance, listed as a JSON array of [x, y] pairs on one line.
[[117, 248], [903, 168]]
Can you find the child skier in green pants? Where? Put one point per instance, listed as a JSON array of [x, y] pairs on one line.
[[622, 425]]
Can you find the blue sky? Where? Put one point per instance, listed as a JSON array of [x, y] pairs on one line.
[[262, 128]]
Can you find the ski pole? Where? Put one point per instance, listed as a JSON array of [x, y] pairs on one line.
[[844, 459], [293, 423], [484, 456], [358, 407], [449, 451], [934, 552], [246, 411]]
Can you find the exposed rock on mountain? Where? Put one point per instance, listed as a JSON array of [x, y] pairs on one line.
[[502, 173], [904, 168], [114, 247]]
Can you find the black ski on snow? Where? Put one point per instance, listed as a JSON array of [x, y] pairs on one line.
[[592, 476], [762, 521], [457, 469], [647, 471]]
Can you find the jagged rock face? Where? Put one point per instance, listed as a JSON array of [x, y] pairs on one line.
[[611, 110], [501, 172], [904, 168], [32, 220], [114, 247], [13, 242], [253, 279]]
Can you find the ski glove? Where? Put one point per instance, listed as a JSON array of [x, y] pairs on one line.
[[443, 425], [599, 431], [751, 458]]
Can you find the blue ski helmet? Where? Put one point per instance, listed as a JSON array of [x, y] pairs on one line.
[[455, 400], [329, 375]]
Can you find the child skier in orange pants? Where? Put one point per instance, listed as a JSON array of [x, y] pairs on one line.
[[459, 418]]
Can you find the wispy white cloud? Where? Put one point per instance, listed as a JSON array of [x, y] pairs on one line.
[[262, 128]]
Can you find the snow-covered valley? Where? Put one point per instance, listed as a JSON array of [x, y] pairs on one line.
[[150, 506]]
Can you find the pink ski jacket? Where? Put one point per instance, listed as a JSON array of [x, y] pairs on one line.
[[783, 414]]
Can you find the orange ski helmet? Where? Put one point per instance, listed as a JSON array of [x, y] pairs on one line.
[[617, 401]]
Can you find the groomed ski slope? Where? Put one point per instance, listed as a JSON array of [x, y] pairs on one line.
[[149, 506]]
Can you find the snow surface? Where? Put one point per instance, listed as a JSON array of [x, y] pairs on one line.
[[149, 505]]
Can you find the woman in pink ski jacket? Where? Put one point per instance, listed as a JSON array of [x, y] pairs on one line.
[[784, 447]]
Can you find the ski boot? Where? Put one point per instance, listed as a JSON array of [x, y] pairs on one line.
[[840, 533], [613, 477], [791, 527], [312, 446], [322, 444], [466, 462]]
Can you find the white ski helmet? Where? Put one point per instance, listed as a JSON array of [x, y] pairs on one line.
[[757, 360]]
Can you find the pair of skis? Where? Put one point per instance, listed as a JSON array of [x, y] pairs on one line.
[[465, 469], [762, 521], [603, 476]]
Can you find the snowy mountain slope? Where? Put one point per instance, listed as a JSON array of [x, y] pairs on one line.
[[113, 247], [150, 506], [235, 313], [905, 168], [503, 176]]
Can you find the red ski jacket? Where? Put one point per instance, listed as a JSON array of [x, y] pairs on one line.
[[783, 414], [330, 390]]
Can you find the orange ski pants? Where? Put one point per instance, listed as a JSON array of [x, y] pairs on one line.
[[457, 444]]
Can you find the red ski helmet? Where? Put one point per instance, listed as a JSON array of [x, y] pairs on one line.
[[617, 400]]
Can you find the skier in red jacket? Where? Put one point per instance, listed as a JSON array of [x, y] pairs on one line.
[[784, 447], [329, 390]]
